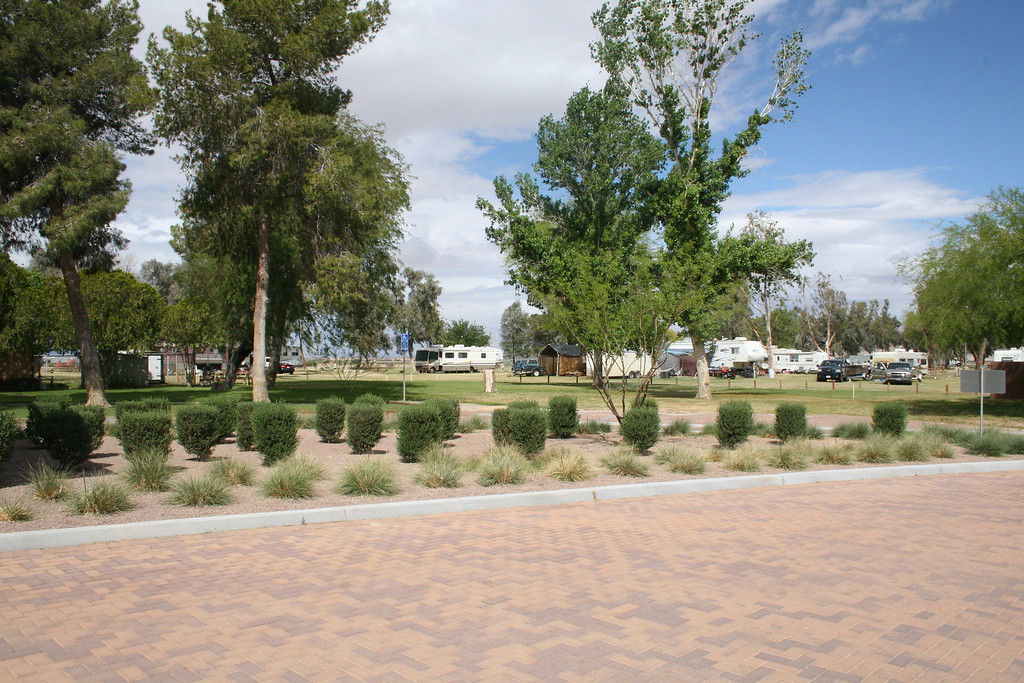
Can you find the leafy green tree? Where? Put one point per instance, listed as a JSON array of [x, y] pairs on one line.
[[516, 335], [418, 313], [71, 100], [189, 326], [969, 284], [27, 310], [774, 265], [671, 55], [162, 277], [465, 333], [279, 175]]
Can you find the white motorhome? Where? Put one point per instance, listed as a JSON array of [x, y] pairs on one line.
[[740, 353], [626, 364], [795, 360], [917, 359], [1015, 355], [457, 358]]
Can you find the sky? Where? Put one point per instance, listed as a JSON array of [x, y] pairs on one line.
[[913, 117]]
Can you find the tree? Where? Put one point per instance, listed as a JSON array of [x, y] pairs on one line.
[[968, 284], [465, 333], [418, 313], [824, 312], [190, 325], [27, 321], [162, 277], [278, 174], [775, 264], [671, 56], [71, 99], [515, 332]]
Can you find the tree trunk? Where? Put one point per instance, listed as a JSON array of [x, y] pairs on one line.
[[275, 362], [92, 375], [703, 373], [258, 369], [598, 371], [235, 360], [768, 334]]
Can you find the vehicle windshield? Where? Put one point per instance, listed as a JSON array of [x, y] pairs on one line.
[[899, 366], [831, 363]]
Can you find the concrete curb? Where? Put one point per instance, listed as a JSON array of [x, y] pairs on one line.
[[57, 538]]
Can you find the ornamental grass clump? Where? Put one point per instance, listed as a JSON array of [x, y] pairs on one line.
[[10, 432], [145, 431], [200, 491], [365, 426], [563, 417], [834, 455], [566, 465], [954, 435], [641, 427], [678, 427], [439, 468], [877, 448], [419, 427], [593, 427], [101, 498], [368, 477], [149, 471], [889, 418], [791, 455], [935, 447], [735, 423], [502, 465], [625, 463], [244, 438], [15, 511], [745, 459], [234, 472], [790, 421], [330, 419], [681, 461], [292, 478], [48, 483], [911, 449], [199, 428], [227, 414], [991, 444], [473, 424], [275, 428], [852, 430]]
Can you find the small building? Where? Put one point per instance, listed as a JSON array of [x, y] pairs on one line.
[[561, 360]]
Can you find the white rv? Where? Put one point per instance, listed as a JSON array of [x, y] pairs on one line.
[[917, 359], [1008, 355], [457, 358], [739, 353], [795, 360], [626, 364]]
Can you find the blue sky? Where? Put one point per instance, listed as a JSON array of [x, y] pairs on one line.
[[913, 117]]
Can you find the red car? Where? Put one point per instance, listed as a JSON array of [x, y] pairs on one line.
[[285, 369], [723, 372]]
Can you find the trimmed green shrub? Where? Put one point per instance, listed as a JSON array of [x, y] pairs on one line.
[[624, 463], [200, 492], [418, 429], [293, 478], [102, 498], [47, 483], [524, 404], [227, 414], [563, 417], [566, 465], [39, 411], [330, 419], [144, 431], [641, 427], [502, 465], [889, 418], [275, 429], [448, 413], [14, 511], [369, 399], [790, 421], [877, 448], [244, 439], [149, 471], [528, 428], [681, 461], [63, 430], [678, 427], [95, 421], [500, 426], [368, 477], [746, 459], [365, 425], [735, 423], [199, 428], [10, 431], [234, 472], [121, 408], [593, 427], [852, 430], [439, 468]]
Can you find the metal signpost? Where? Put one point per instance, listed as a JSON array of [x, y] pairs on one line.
[[405, 353], [981, 382]]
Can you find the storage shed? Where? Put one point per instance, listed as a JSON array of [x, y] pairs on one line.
[[561, 360]]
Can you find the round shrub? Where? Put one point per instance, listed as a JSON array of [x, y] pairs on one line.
[[528, 428], [199, 428], [243, 428], [735, 422], [63, 430], [9, 433], [141, 405], [144, 431], [227, 414], [370, 399], [641, 427], [448, 415], [275, 429], [890, 418], [562, 416], [95, 421], [39, 414], [790, 421], [419, 426], [330, 419], [365, 424]]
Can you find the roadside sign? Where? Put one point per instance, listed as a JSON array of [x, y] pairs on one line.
[[995, 381], [405, 342]]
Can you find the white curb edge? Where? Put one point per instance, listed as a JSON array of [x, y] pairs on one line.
[[56, 538]]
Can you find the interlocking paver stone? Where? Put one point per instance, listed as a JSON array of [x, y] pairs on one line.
[[916, 578]]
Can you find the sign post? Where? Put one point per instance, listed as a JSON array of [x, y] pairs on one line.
[[979, 382], [405, 353]]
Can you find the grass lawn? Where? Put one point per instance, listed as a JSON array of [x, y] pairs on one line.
[[927, 400]]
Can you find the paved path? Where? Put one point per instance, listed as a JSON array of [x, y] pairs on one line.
[[917, 578]]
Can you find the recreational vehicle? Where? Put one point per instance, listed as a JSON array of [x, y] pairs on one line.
[[739, 353], [457, 358], [626, 364], [1015, 355], [794, 360]]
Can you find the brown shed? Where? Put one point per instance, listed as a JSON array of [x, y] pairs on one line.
[[562, 360]]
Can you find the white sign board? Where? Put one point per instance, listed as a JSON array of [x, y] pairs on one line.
[[995, 381]]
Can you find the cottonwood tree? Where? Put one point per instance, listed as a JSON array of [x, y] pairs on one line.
[[464, 332], [418, 313], [278, 174], [189, 326], [671, 55], [71, 101], [515, 331]]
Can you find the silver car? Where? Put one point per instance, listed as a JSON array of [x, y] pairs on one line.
[[901, 373]]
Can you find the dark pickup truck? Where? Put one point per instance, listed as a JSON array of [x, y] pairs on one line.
[[838, 370]]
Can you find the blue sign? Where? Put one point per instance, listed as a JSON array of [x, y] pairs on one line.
[[405, 342]]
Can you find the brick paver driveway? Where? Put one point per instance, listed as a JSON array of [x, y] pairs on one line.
[[904, 578]]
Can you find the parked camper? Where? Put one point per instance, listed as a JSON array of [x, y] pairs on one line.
[[457, 358], [1015, 355], [739, 354], [795, 360], [627, 364]]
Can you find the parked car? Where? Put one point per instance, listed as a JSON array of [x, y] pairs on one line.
[[877, 371], [285, 369], [901, 373], [527, 366]]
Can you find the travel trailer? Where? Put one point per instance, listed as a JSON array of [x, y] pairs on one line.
[[457, 358], [917, 359], [1008, 355], [739, 353], [626, 364], [794, 360]]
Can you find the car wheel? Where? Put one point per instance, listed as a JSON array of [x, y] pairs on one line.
[[536, 373]]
